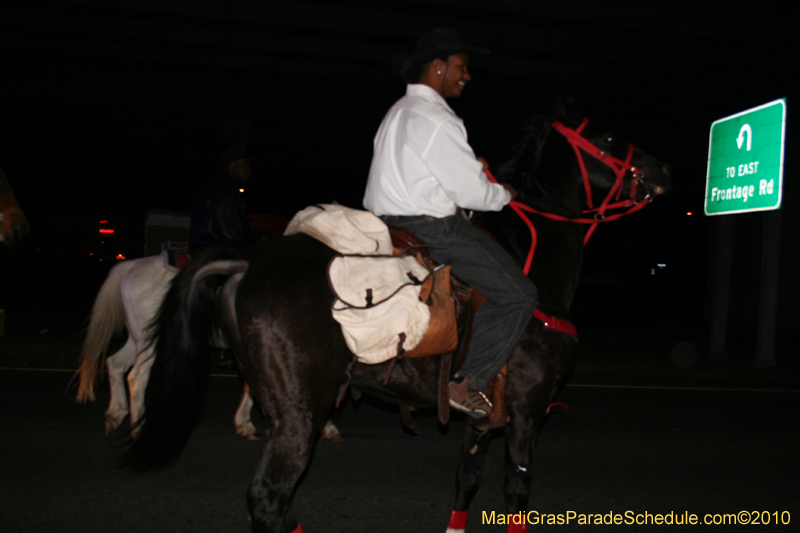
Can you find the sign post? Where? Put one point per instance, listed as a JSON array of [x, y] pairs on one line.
[[745, 174]]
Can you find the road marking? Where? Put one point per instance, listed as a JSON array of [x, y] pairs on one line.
[[665, 387], [71, 371], [23, 369], [581, 385]]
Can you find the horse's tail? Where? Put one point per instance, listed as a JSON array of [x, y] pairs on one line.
[[107, 322], [178, 379]]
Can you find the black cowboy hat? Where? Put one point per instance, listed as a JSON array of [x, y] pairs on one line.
[[440, 43]]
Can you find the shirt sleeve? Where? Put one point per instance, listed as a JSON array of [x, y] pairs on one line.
[[453, 163]]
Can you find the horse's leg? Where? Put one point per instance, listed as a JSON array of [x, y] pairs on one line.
[[286, 454], [294, 358], [118, 364], [241, 420], [296, 389], [331, 432], [245, 427], [296, 411], [142, 292], [528, 399], [520, 439], [137, 385], [139, 313], [468, 478], [527, 404]]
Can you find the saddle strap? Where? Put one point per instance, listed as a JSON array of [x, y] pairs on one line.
[[349, 373], [444, 388], [442, 333]]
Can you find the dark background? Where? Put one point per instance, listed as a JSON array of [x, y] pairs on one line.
[[112, 108]]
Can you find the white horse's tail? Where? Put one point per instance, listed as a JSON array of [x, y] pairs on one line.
[[106, 323]]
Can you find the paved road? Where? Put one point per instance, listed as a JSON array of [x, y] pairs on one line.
[[651, 450]]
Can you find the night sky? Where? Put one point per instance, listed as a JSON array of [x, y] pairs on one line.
[[113, 108]]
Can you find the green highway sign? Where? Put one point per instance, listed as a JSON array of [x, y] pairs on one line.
[[745, 161]]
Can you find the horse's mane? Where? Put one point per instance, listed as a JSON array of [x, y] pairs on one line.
[[521, 162]]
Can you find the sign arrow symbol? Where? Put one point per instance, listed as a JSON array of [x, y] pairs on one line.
[[740, 138]]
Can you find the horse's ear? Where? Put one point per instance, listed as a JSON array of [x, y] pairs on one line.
[[563, 106]]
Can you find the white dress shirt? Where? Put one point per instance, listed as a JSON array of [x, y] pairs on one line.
[[422, 164]]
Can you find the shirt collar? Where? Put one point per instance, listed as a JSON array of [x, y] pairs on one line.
[[423, 91]]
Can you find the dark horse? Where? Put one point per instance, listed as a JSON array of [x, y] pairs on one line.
[[274, 304]]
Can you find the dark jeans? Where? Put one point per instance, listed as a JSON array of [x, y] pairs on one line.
[[484, 264]]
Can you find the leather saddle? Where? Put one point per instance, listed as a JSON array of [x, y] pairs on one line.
[[452, 312]]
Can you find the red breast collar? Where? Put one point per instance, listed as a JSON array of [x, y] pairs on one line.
[[556, 324]]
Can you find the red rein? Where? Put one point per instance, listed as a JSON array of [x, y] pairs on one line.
[[619, 167]]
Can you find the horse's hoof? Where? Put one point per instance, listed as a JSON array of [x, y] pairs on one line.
[[331, 432], [247, 430], [112, 423], [409, 432]]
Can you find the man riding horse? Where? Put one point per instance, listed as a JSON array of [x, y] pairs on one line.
[[423, 174]]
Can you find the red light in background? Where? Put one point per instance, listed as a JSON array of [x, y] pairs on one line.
[[106, 230]]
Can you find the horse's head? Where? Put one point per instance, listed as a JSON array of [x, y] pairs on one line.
[[13, 224], [613, 170]]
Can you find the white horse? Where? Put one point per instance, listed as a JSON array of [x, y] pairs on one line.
[[127, 302]]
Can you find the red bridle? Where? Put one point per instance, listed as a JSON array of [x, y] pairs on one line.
[[580, 144]]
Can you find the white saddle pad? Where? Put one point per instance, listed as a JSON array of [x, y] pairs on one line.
[[378, 304], [346, 230]]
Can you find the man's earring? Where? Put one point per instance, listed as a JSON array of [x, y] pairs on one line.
[[439, 72]]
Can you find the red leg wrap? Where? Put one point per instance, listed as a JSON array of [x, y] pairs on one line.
[[518, 528], [298, 529], [458, 520]]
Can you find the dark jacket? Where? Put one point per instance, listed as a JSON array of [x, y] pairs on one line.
[[219, 217]]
